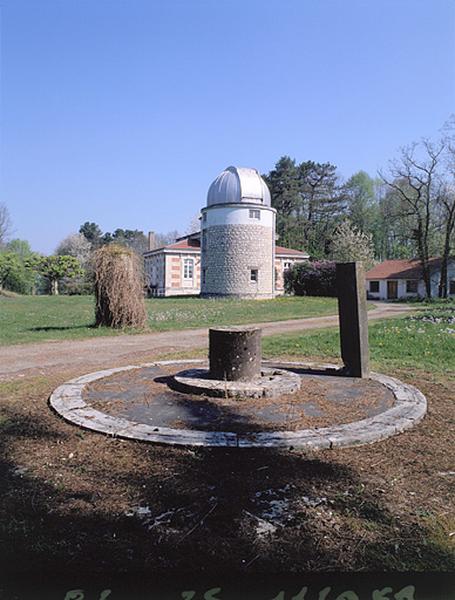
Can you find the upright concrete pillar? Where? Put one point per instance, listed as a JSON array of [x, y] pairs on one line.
[[235, 353], [352, 307]]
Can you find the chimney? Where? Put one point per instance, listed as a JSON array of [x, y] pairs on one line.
[[152, 240]]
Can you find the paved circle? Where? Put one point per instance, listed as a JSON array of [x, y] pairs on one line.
[[409, 407]]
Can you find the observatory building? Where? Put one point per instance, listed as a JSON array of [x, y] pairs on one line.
[[238, 237], [234, 254]]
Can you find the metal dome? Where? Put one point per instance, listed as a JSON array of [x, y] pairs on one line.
[[237, 185]]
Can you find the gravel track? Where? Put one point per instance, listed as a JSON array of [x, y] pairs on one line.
[[90, 354]]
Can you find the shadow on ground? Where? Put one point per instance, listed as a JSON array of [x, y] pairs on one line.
[[62, 327], [126, 507]]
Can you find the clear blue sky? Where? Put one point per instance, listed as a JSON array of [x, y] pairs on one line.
[[123, 111]]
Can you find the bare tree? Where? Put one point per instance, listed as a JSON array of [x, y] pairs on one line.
[[447, 204], [75, 245], [194, 225], [5, 224], [446, 207], [415, 178], [163, 239]]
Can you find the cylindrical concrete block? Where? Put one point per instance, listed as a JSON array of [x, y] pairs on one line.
[[235, 353]]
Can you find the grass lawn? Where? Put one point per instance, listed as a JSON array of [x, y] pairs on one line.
[[394, 344], [38, 318], [74, 501]]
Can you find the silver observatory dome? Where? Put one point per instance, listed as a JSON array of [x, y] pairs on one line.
[[238, 237], [236, 185]]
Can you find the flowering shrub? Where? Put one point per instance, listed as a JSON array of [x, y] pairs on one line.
[[436, 315], [311, 279]]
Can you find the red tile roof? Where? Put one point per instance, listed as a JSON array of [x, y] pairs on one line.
[[182, 244], [194, 244], [400, 269], [282, 250]]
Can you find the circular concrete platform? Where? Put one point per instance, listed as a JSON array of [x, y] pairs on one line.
[[328, 410], [272, 383]]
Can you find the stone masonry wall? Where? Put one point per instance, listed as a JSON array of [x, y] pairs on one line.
[[230, 252]]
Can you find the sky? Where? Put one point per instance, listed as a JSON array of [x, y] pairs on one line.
[[122, 112]]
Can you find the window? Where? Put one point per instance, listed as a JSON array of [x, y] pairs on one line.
[[411, 286], [204, 241], [204, 217], [188, 268], [452, 287], [255, 214], [374, 287], [254, 275], [203, 275], [287, 265]]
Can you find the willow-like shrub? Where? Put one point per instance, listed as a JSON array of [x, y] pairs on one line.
[[119, 291]]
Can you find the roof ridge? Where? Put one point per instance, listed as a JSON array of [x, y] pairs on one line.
[[183, 244]]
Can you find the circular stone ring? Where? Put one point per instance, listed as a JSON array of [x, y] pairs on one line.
[[408, 409]]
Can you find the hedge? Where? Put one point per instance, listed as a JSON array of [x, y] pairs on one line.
[[311, 279]]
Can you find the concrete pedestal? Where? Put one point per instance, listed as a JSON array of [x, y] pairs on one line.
[[235, 353]]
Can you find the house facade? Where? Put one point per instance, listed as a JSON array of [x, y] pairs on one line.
[[402, 279], [175, 270]]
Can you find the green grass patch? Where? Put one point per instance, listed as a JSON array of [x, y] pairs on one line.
[[424, 301], [38, 318], [395, 343]]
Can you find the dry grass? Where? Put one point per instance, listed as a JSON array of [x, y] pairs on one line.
[[118, 288], [70, 498], [110, 395]]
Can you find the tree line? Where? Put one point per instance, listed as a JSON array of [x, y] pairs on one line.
[[320, 214], [407, 211], [69, 269]]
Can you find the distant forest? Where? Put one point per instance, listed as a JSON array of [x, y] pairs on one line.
[[407, 210]]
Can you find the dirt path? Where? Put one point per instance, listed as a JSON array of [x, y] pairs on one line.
[[90, 354]]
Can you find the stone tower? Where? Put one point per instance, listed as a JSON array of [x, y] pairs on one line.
[[238, 237]]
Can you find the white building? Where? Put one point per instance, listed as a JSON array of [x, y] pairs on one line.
[[175, 270], [395, 279]]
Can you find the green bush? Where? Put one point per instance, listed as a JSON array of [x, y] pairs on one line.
[[14, 276], [311, 279]]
